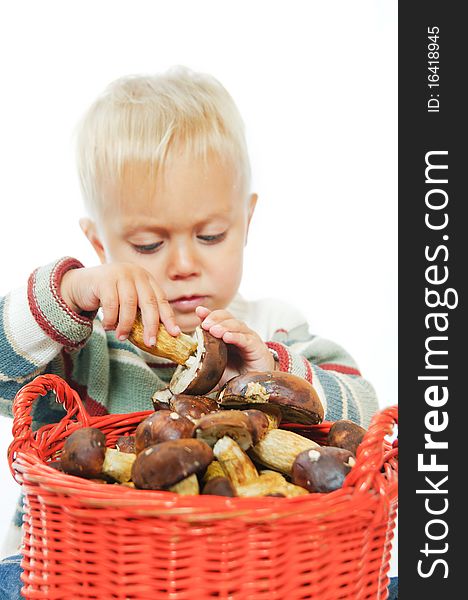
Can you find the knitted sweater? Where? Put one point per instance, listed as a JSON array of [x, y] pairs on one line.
[[40, 334]]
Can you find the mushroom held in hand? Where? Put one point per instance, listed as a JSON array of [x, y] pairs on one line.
[[176, 348], [346, 434], [202, 371], [322, 469], [296, 397], [162, 426], [85, 454], [162, 466]]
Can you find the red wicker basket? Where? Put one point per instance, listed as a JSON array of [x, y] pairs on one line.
[[87, 540]]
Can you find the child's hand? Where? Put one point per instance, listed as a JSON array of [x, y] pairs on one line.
[[246, 350], [120, 288]]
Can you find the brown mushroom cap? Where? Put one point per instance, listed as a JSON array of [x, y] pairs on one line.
[[201, 372], [233, 423], [296, 397], [162, 426], [346, 434], [193, 407], [322, 469], [84, 452], [258, 422], [161, 466], [161, 399], [219, 486]]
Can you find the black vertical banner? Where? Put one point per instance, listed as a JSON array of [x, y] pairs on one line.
[[433, 269]]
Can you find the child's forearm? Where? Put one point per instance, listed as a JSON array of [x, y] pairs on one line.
[[35, 325]]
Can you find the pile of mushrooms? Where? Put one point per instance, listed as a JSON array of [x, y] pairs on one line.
[[227, 445]]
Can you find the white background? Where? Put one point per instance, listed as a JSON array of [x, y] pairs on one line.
[[316, 83]]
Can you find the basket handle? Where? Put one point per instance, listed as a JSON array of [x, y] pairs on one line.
[[23, 435], [370, 455]]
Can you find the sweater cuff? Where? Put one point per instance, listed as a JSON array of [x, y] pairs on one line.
[[50, 310]]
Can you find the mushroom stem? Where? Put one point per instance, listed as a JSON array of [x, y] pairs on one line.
[[235, 463], [279, 448], [118, 464], [270, 482], [187, 487], [213, 470], [177, 349]]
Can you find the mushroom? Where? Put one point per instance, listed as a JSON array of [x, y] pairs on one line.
[[233, 423], [85, 454], [345, 434], [162, 426], [186, 487], [161, 399], [235, 463], [270, 483], [161, 466], [219, 486], [193, 407], [279, 448], [322, 469], [295, 396], [176, 348], [202, 371]]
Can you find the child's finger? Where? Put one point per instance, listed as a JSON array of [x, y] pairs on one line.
[[202, 312], [128, 302], [231, 324], [149, 307], [216, 316], [166, 314], [241, 340], [109, 299]]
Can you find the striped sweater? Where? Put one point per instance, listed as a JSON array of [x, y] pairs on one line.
[[39, 334]]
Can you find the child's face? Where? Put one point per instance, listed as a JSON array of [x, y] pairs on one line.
[[187, 228]]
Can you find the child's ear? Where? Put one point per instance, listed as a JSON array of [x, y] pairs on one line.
[[89, 229], [251, 203]]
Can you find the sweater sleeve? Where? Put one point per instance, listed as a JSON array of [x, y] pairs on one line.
[[344, 393], [36, 325]]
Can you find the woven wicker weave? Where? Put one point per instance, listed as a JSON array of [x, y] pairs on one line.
[[88, 540]]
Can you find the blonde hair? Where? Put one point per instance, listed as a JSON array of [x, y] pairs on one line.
[[146, 118]]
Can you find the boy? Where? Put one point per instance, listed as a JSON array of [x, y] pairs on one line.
[[165, 175]]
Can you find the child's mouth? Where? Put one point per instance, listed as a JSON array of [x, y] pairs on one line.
[[187, 303]]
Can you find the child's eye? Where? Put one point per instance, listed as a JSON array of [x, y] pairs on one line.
[[212, 239], [146, 248]]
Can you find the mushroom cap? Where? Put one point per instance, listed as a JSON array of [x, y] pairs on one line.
[[193, 407], [162, 466], [161, 399], [296, 397], [346, 434], [219, 486], [322, 469], [162, 426], [259, 424], [83, 452], [233, 423], [202, 372]]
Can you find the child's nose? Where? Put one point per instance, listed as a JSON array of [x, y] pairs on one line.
[[183, 263]]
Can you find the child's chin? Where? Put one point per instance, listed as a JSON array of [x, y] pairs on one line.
[[188, 323]]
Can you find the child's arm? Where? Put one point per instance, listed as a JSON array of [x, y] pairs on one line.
[[35, 326]]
